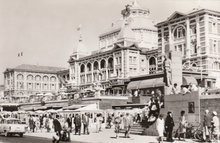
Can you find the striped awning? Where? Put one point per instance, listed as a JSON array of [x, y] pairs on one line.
[[189, 79], [148, 83]]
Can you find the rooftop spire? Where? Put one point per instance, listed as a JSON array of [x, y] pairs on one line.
[[80, 49], [80, 32]]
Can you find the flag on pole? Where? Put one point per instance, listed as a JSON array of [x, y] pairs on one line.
[[79, 28]]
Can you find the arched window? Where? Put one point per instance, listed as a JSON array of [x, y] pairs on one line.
[[152, 65], [110, 63], [179, 32], [45, 78], [89, 67], [82, 68], [96, 65], [20, 77], [53, 79], [30, 77], [37, 78], [103, 64]]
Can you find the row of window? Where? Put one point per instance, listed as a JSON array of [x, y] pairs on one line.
[[36, 78], [88, 66], [214, 46], [36, 86], [216, 66], [96, 77], [132, 60], [214, 27]]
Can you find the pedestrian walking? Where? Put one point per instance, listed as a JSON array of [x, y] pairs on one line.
[[78, 123], [215, 126], [127, 125], [117, 125], [57, 126], [85, 121], [160, 127], [207, 126], [169, 124], [182, 126]]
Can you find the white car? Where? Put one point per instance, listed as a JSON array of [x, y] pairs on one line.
[[12, 126]]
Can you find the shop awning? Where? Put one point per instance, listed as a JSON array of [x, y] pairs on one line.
[[148, 83], [133, 85], [73, 107], [189, 79]]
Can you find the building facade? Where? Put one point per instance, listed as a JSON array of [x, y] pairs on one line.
[[25, 80], [127, 49], [197, 35]]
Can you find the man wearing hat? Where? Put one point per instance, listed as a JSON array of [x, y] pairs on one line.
[[169, 124], [215, 122], [207, 126]]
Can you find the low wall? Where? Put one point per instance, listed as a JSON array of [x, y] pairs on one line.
[[210, 102], [175, 104]]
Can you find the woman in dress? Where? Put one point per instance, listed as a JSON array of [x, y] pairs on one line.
[[160, 127], [182, 125]]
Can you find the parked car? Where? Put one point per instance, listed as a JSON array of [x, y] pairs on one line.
[[12, 126]]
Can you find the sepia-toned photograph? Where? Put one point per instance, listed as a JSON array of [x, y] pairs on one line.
[[109, 71]]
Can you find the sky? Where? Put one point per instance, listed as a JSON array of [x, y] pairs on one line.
[[45, 30]]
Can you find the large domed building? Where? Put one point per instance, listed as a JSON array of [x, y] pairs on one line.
[[127, 49]]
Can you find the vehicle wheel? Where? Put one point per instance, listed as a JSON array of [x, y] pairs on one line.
[[21, 135], [199, 135]]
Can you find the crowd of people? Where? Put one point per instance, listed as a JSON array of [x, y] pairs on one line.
[[165, 127], [79, 123]]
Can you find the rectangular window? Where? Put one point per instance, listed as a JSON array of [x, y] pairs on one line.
[[210, 27], [134, 59], [218, 28], [130, 59], [210, 46], [219, 47]]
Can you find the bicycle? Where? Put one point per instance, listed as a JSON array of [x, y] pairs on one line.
[[194, 131]]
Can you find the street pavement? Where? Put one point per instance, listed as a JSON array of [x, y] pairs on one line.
[[28, 139], [106, 136]]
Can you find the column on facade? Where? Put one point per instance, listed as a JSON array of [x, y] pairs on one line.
[[122, 64], [170, 38], [187, 38], [85, 73], [207, 46], [198, 35], [77, 67], [138, 62], [114, 63], [106, 69], [92, 72], [99, 68], [127, 63], [162, 41]]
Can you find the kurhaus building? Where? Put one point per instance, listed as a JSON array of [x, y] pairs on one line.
[[133, 47], [25, 80], [128, 48]]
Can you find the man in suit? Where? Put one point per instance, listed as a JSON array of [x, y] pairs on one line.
[[77, 122], [57, 126], [169, 124], [85, 121]]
